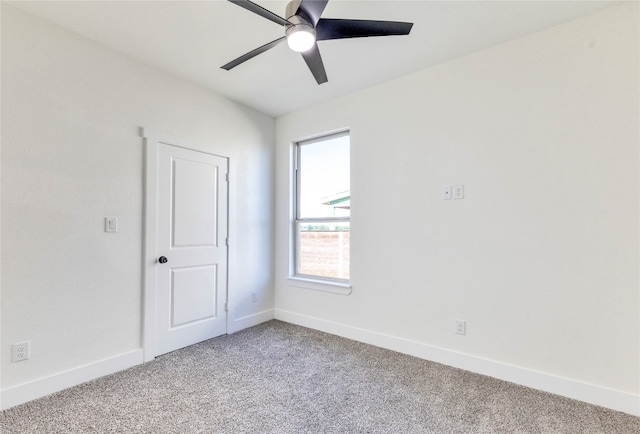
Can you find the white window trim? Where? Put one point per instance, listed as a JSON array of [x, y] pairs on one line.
[[336, 287], [317, 283]]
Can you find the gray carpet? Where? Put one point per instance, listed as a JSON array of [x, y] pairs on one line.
[[281, 378]]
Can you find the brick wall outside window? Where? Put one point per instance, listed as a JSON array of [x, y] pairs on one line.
[[325, 253]]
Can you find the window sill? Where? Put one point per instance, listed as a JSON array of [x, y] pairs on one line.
[[321, 285]]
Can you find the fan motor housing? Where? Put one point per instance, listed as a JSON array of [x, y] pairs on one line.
[[298, 23]]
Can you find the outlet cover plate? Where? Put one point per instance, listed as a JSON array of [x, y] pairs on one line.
[[461, 327], [458, 191], [20, 351]]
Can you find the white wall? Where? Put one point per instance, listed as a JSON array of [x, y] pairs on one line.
[[71, 155], [541, 256]]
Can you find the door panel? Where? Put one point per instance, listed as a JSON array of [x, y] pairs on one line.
[[195, 194], [191, 288], [192, 297]]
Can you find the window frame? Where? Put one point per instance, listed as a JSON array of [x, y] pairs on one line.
[[321, 283]]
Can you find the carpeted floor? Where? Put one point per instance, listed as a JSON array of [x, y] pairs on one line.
[[281, 378]]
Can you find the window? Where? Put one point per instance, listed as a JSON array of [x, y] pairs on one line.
[[322, 208]]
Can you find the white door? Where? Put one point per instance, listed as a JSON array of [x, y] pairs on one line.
[[191, 290]]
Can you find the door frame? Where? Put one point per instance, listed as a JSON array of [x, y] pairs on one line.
[[150, 245]]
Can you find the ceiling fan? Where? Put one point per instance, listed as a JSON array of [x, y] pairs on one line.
[[304, 27]]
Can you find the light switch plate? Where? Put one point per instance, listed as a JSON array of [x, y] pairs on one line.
[[111, 224]]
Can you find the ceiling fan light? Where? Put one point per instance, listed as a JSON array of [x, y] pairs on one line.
[[301, 38]]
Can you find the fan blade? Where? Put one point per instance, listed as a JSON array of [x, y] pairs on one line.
[[312, 10], [256, 9], [252, 54], [314, 62], [340, 29]]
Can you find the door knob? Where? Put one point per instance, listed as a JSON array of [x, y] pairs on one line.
[[163, 259]]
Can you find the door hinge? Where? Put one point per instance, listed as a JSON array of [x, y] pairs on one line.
[[226, 242], [226, 176], [226, 307]]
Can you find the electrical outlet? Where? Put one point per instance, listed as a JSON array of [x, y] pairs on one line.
[[20, 351], [461, 327], [254, 296], [458, 191]]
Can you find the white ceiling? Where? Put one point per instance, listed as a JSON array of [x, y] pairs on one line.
[[192, 39]]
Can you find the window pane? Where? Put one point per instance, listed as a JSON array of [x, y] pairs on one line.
[[323, 249], [324, 188]]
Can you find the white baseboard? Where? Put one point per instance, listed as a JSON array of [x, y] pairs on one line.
[[25, 392], [21, 393], [250, 321], [592, 394]]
